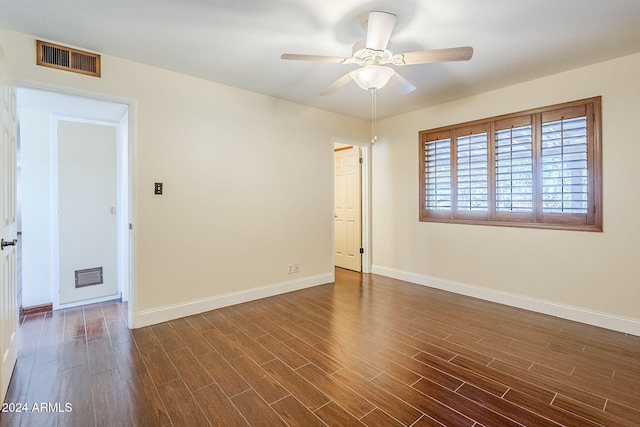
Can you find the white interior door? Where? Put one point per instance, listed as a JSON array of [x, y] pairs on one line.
[[87, 200], [8, 233], [348, 208]]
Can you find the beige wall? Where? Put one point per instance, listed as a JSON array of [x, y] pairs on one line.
[[247, 179], [595, 272]]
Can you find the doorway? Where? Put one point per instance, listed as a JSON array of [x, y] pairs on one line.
[[46, 211], [352, 205], [85, 199]]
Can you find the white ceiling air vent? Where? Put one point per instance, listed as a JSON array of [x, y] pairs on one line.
[[65, 58]]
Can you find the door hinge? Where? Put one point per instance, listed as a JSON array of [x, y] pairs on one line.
[[361, 250], [130, 226], [361, 159]]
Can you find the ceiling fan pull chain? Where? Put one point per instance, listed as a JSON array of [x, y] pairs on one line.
[[374, 137]]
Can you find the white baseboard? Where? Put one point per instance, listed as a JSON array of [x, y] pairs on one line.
[[87, 301], [603, 320], [175, 311]]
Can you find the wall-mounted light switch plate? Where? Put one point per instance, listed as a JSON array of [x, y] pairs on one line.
[[158, 188]]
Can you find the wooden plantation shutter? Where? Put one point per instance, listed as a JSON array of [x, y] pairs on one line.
[[436, 170], [472, 179], [564, 168], [513, 153], [538, 168]]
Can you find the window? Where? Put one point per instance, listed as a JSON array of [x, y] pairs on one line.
[[538, 168]]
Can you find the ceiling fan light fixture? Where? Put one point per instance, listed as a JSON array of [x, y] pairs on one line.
[[372, 77], [374, 52]]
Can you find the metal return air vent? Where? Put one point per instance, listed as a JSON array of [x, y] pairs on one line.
[[65, 58], [89, 277]]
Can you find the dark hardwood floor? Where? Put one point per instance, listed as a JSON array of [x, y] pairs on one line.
[[367, 350]]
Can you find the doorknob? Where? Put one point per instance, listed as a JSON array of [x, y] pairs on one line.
[[10, 243]]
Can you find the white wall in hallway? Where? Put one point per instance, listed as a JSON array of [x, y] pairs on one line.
[[36, 210]]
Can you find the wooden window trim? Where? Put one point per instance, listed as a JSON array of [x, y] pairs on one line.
[[589, 221]]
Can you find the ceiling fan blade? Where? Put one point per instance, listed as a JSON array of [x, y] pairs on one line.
[[342, 81], [437, 55], [401, 84], [298, 57], [379, 30]]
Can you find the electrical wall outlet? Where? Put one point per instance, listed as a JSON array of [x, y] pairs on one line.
[[293, 268]]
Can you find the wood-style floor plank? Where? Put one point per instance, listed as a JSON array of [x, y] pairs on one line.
[[167, 336], [308, 395], [189, 369], [503, 407], [193, 340], [149, 408], [285, 354], [76, 390], [387, 401], [128, 360], [428, 403], [334, 415], [591, 413], [112, 398], [478, 412], [551, 383], [544, 409], [100, 355], [379, 418], [218, 409], [182, 408], [347, 398], [295, 413], [158, 364], [365, 350], [227, 378], [267, 387], [74, 325], [256, 411]]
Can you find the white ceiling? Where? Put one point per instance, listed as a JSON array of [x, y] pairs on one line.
[[239, 42]]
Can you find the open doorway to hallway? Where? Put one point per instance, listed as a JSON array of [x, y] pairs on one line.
[[73, 166], [352, 205]]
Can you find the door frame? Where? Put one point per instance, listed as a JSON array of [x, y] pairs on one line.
[[121, 211], [125, 150], [366, 201], [8, 229]]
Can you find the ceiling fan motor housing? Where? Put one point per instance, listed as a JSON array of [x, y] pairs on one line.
[[364, 56]]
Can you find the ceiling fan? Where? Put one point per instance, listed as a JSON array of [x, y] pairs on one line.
[[374, 53]]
